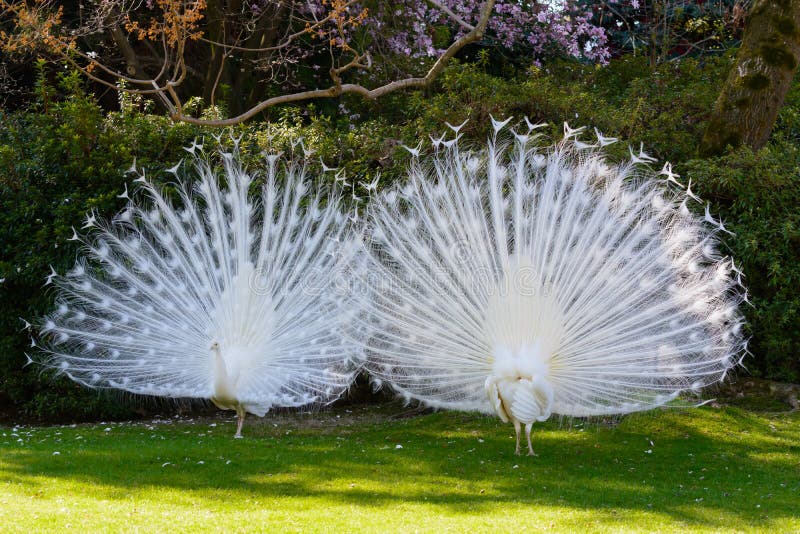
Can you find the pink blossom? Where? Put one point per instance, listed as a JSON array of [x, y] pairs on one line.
[[538, 27]]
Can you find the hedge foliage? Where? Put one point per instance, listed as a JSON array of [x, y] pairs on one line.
[[65, 156]]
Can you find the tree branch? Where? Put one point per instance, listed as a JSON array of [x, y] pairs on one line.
[[134, 66], [179, 34], [286, 42], [442, 7], [339, 89]]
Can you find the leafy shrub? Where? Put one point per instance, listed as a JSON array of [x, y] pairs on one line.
[[58, 162], [665, 108], [759, 200]]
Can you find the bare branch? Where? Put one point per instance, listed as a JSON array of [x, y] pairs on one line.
[[180, 28], [287, 40], [134, 66], [442, 7], [336, 90]]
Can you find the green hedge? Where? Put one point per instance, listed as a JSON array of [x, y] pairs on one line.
[[65, 156], [58, 161], [758, 196]]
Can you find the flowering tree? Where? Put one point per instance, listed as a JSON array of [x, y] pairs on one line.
[[536, 29], [260, 53]]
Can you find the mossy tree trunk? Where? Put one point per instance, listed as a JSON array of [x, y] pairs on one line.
[[757, 85]]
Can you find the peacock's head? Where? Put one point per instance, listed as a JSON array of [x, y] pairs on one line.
[[214, 345]]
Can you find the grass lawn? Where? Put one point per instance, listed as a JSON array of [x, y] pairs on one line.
[[358, 468]]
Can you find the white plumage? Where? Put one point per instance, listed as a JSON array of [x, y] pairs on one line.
[[524, 282], [226, 296]]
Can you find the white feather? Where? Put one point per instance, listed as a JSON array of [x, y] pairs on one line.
[[260, 277], [564, 275]]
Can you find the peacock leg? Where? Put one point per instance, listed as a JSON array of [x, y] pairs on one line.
[[528, 435], [241, 413], [517, 429]]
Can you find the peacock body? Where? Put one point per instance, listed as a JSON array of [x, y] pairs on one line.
[[528, 282], [222, 295]]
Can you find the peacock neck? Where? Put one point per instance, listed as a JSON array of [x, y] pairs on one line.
[[222, 382]]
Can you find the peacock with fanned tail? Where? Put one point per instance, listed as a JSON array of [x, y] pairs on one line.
[[222, 295], [527, 282]]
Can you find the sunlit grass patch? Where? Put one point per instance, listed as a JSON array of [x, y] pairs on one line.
[[704, 469]]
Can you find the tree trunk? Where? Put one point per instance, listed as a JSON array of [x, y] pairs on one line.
[[214, 26], [757, 85]]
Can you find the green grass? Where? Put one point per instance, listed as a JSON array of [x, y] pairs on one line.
[[706, 469]]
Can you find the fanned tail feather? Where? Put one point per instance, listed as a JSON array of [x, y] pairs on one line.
[[552, 264], [259, 274]]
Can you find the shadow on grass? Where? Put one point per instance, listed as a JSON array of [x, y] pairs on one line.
[[705, 467]]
